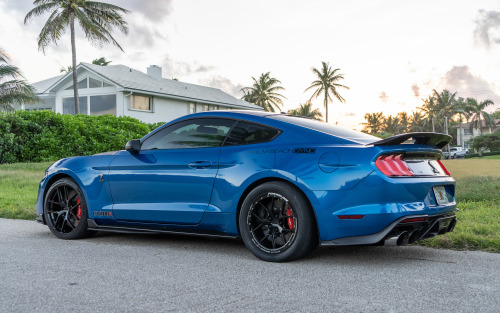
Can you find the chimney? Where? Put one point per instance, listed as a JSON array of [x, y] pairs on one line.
[[154, 71]]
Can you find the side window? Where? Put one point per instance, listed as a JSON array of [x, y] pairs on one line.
[[247, 133], [194, 133]]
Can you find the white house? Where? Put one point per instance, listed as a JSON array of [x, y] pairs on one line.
[[120, 90], [467, 132]]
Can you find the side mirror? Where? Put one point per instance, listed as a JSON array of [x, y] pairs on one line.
[[133, 146]]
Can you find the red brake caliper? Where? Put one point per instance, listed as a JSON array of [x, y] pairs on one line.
[[79, 209], [290, 219]]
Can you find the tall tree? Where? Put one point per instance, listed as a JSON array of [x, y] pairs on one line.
[[264, 92], [307, 111], [477, 112], [418, 122], [326, 84], [374, 122], [97, 20], [446, 105], [403, 123], [13, 87], [429, 110], [391, 124]]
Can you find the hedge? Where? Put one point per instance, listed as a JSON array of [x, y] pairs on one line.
[[35, 136], [475, 155]]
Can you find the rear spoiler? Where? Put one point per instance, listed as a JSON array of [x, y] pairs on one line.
[[429, 139]]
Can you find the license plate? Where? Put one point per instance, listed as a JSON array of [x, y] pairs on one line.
[[440, 194]]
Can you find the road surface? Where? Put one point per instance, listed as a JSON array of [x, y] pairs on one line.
[[167, 273]]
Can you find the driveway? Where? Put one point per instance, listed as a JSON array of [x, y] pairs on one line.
[[162, 273]]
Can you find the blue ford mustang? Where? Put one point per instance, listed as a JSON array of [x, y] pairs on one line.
[[283, 184]]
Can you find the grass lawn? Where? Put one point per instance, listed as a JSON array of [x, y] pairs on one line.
[[489, 157], [477, 194], [19, 188], [478, 198]]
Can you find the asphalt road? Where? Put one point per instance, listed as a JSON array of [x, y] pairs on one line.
[[162, 273]]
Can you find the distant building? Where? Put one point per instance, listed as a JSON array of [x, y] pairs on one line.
[[120, 90], [469, 132]]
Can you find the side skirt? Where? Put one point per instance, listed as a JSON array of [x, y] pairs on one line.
[[139, 230]]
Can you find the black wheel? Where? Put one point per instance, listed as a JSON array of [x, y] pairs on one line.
[[65, 210], [277, 224]]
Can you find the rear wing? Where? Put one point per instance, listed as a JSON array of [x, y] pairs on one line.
[[429, 139]]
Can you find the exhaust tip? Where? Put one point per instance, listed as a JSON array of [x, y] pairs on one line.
[[414, 236], [403, 238], [400, 239]]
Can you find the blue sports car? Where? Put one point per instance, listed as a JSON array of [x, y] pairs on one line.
[[281, 183]]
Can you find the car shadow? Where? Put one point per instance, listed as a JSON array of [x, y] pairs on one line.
[[349, 255]]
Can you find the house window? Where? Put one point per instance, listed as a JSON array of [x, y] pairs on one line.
[[69, 105], [94, 83], [105, 104], [82, 84], [206, 107], [192, 108], [141, 103]]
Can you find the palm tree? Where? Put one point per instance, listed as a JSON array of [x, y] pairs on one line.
[[101, 61], [97, 20], [13, 87], [326, 84], [429, 110], [264, 92], [476, 110], [374, 122], [391, 124], [403, 122], [418, 122], [446, 105], [307, 111]]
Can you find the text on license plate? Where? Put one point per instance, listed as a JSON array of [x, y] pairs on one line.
[[440, 194]]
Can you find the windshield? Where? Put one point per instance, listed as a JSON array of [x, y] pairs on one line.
[[330, 129]]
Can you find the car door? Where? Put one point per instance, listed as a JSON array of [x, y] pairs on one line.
[[170, 179]]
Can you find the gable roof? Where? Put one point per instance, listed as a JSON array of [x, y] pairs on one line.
[[43, 85], [136, 81]]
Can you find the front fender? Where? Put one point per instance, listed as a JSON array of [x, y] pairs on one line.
[[88, 172]]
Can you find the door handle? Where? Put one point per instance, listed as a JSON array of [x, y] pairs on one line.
[[200, 164]]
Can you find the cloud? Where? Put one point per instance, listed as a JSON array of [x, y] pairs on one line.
[[152, 10], [487, 30], [178, 69], [383, 96], [349, 114], [468, 85], [18, 5], [416, 90], [225, 84]]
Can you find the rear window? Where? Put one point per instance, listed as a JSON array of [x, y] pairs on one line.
[[244, 133], [330, 129]]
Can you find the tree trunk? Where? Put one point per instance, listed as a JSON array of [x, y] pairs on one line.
[[326, 106], [73, 54]]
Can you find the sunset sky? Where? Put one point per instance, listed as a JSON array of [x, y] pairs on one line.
[[392, 53]]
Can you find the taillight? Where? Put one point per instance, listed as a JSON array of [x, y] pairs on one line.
[[393, 165], [442, 166]]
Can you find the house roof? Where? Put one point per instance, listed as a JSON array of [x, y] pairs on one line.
[[136, 81], [43, 85], [483, 124]]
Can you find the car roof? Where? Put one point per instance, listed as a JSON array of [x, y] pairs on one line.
[[283, 120]]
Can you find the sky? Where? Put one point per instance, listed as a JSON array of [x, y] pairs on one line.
[[392, 53]]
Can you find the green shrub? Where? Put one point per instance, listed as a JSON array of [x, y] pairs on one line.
[[475, 155], [35, 136]]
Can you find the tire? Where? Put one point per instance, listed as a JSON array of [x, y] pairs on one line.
[[65, 210], [277, 224]]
